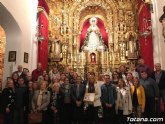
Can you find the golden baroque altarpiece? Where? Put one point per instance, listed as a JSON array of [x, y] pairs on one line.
[[2, 50], [66, 21]]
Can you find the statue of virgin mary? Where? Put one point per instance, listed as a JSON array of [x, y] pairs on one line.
[[93, 40]]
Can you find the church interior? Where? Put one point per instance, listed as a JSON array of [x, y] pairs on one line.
[[85, 35], [54, 32], [57, 32]]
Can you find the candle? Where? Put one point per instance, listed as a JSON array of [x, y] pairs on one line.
[[113, 60], [82, 57]]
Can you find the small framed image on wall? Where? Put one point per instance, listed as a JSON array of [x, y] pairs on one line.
[[26, 57], [12, 56]]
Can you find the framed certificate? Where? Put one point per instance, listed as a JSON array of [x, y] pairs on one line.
[[89, 97]]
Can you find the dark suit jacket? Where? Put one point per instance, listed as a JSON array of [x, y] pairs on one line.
[[81, 93], [58, 101], [8, 99], [161, 84], [1, 105], [21, 99], [22, 74]]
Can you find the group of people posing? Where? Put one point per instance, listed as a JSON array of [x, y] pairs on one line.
[[59, 96]]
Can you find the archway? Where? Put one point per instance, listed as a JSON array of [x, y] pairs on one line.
[[13, 38]]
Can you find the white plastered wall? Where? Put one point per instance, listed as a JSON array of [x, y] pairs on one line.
[[18, 18]]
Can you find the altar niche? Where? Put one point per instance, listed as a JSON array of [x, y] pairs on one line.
[[101, 29], [93, 38]]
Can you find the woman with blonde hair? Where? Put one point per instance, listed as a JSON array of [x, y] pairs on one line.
[[41, 100], [93, 106], [123, 102], [138, 98]]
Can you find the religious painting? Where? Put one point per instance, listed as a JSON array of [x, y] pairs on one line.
[[12, 56], [26, 57]]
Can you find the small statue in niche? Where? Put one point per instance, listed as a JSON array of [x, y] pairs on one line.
[[162, 20], [55, 49], [131, 45], [93, 40]]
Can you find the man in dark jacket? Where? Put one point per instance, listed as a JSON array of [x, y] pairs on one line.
[[159, 76], [108, 97], [78, 93], [151, 92], [143, 67], [20, 71], [21, 102]]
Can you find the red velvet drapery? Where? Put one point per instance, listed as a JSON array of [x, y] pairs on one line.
[[43, 31], [101, 26], [43, 45], [146, 45]]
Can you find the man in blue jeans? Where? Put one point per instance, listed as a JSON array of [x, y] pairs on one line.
[[108, 97]]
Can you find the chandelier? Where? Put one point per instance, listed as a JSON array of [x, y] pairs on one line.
[[147, 28]]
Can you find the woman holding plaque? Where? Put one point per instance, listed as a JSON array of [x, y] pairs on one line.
[[92, 100]]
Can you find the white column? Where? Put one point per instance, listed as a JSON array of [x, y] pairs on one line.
[[158, 40]]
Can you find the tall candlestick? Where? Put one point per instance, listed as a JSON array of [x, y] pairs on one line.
[[102, 58], [107, 59], [113, 60]]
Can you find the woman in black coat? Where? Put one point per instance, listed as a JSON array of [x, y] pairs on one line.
[[8, 96]]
